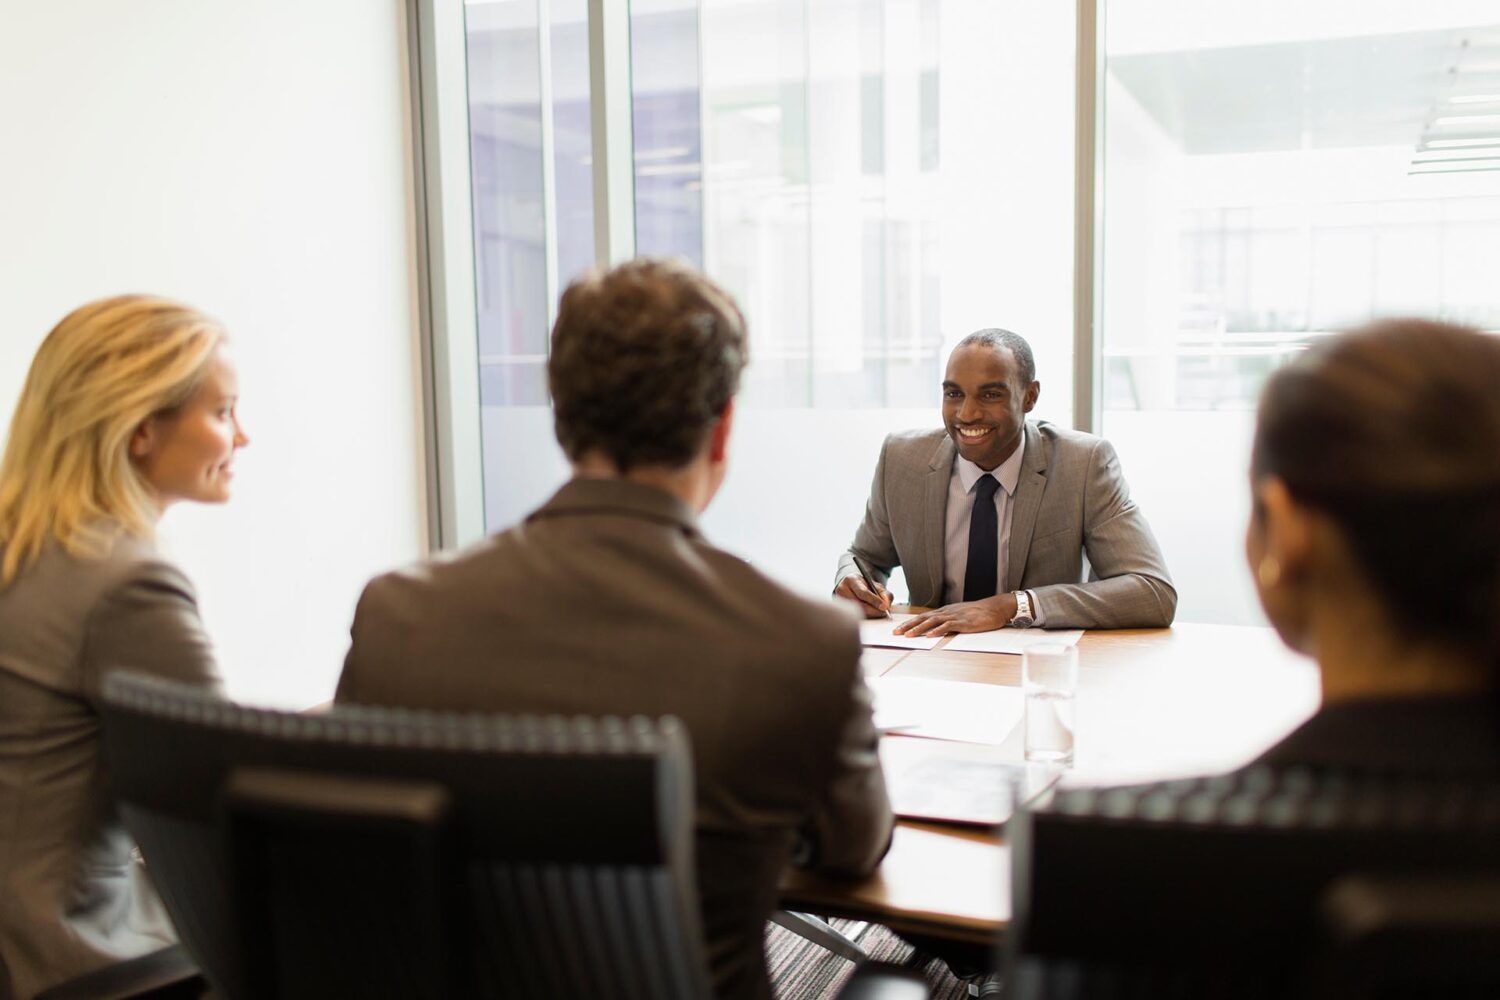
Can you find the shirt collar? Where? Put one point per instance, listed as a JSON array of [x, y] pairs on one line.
[[586, 495], [1008, 472]]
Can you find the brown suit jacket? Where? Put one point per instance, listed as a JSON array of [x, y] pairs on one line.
[[72, 897], [607, 600]]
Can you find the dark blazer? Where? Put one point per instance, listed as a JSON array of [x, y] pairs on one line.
[[607, 600], [1445, 736], [72, 896], [1071, 502]]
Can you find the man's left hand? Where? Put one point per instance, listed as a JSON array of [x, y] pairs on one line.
[[970, 616]]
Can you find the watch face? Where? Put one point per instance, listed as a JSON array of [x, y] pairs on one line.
[[1021, 622]]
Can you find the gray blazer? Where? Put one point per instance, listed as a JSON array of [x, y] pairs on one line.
[[607, 600], [1071, 502], [72, 898]]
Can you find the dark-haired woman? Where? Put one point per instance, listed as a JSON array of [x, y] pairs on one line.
[[1375, 544]]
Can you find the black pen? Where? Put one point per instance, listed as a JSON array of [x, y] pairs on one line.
[[869, 580]]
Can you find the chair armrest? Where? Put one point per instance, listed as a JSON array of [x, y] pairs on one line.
[[144, 974], [878, 981]]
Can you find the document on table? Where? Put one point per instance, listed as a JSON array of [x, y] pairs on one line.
[[1011, 640], [958, 783], [946, 710], [877, 632]]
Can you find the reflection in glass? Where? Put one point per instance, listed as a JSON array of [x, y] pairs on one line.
[[505, 126], [790, 147], [872, 179], [1268, 179], [511, 213]]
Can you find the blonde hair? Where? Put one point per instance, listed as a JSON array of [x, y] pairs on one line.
[[67, 474]]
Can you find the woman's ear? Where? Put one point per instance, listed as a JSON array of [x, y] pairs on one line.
[[1279, 544], [143, 440], [1287, 530]]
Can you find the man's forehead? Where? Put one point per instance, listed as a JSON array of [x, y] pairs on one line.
[[982, 362]]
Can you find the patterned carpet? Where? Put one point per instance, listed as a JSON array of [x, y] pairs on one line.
[[801, 970]]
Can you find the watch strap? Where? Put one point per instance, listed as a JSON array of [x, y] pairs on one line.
[[1024, 615]]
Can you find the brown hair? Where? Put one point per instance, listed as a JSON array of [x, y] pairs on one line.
[[1393, 430], [644, 359]]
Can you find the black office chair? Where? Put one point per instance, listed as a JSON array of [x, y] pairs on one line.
[[1389, 937], [380, 853], [1213, 887]]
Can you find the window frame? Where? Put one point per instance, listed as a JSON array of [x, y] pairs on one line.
[[448, 320]]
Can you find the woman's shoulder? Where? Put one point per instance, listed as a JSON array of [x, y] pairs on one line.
[[46, 612], [110, 560]]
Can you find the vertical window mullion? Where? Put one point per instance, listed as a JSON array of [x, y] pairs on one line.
[[549, 156], [445, 249], [1088, 222], [610, 94]]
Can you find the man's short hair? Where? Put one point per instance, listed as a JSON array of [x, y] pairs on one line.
[[644, 359], [1013, 342]]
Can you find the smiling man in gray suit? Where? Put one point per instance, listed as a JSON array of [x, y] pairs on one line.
[[1001, 521]]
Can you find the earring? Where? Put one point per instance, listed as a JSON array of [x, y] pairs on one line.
[[1268, 571]]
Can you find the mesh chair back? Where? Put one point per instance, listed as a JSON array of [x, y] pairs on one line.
[[1393, 937], [1210, 886], [385, 853]]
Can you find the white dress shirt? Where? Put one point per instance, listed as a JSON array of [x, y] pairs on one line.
[[961, 483]]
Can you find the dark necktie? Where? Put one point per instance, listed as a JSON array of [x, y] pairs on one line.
[[984, 541]]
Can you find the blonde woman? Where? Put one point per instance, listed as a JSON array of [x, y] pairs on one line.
[[129, 407]]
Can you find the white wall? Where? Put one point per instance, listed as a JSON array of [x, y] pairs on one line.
[[251, 159]]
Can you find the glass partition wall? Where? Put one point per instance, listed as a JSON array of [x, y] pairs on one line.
[[1273, 172], [873, 179]]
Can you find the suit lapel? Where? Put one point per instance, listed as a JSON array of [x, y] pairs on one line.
[[1027, 502], [935, 516]]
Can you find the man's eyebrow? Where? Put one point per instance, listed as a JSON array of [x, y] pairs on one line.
[[949, 384]]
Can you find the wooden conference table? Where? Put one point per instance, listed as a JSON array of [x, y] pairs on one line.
[[1152, 703]]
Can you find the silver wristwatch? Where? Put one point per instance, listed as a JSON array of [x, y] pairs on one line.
[[1023, 618]]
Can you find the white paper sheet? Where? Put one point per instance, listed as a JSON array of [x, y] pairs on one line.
[[959, 782], [947, 710], [1011, 640], [877, 632]]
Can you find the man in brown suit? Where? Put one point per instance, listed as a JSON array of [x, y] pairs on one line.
[[607, 600]]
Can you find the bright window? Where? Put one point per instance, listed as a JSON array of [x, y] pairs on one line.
[[872, 179], [1272, 172]]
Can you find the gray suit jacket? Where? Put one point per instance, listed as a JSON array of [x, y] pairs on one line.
[[72, 898], [1071, 502], [607, 600]]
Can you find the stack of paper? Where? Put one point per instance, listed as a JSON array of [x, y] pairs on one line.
[[958, 783], [877, 632], [1012, 640], [946, 710]]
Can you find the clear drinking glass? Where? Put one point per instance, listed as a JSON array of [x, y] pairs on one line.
[[1049, 677]]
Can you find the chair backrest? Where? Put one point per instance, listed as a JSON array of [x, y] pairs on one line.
[[1394, 937], [1212, 885], [371, 852]]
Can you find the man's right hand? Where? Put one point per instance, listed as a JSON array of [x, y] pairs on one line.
[[874, 603]]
